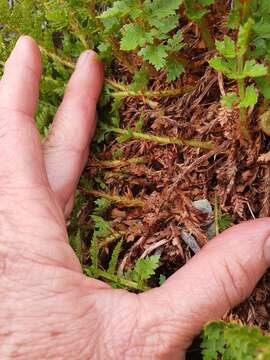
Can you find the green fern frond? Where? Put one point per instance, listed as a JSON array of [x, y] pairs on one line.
[[114, 258], [234, 342]]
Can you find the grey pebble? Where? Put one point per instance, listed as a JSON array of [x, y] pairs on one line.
[[204, 206]]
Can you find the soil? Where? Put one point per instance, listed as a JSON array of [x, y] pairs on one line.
[[168, 178]]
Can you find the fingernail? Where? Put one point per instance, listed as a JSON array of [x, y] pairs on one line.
[[86, 57]]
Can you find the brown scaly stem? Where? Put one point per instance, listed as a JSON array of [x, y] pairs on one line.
[[116, 163], [114, 174], [77, 31], [68, 63], [242, 91], [216, 214], [154, 94], [112, 238], [92, 8], [239, 6], [165, 140], [120, 280], [245, 9], [125, 92], [115, 198], [205, 33]]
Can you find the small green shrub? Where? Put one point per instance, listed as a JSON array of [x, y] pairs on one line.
[[145, 27], [246, 59]]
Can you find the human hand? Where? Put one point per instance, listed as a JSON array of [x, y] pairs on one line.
[[48, 308]]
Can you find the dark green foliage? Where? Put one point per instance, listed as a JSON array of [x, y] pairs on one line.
[[224, 221]]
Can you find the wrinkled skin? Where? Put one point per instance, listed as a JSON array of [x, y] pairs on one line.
[[48, 308]]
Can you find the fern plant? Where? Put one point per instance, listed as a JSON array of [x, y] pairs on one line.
[[234, 342], [144, 37], [135, 278], [238, 61], [149, 28], [145, 27]]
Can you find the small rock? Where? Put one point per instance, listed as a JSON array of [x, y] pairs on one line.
[[211, 231], [190, 241], [159, 251], [204, 206]]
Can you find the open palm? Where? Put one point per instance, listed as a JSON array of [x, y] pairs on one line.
[[48, 308]]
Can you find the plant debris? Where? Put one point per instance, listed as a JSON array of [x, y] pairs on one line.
[[182, 147]]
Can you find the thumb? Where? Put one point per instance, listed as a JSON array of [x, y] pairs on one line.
[[221, 276]]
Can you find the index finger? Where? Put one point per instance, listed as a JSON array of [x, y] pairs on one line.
[[21, 156], [19, 87]]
